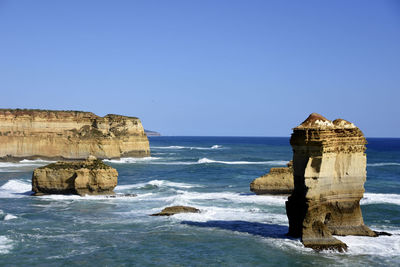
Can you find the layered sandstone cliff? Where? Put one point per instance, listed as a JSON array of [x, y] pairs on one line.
[[277, 181], [329, 165], [89, 177], [69, 135]]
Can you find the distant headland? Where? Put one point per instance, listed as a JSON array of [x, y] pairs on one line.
[[151, 133], [60, 134]]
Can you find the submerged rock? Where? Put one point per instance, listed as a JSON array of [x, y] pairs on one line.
[[176, 209], [329, 165], [53, 134], [91, 177], [277, 181]]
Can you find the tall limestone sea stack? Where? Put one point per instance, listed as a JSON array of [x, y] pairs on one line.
[[46, 134], [329, 165]]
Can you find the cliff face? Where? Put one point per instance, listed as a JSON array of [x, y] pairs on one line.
[[277, 181], [329, 166], [69, 135]]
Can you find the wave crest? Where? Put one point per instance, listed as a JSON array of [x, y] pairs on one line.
[[157, 184], [22, 165], [188, 147], [5, 245], [131, 160], [271, 162], [376, 198], [380, 164]]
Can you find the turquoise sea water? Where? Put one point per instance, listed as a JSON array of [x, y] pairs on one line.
[[234, 228]]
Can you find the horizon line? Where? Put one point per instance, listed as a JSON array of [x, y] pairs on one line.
[[255, 136]]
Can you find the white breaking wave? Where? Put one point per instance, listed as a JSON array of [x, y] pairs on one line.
[[271, 162], [9, 217], [376, 198], [159, 161], [188, 198], [35, 161], [15, 189], [158, 183], [168, 147], [22, 165], [211, 213], [188, 147], [5, 245], [161, 183], [378, 246], [131, 160], [383, 164]]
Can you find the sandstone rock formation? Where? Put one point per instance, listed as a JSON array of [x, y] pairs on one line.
[[30, 134], [329, 167], [176, 209], [277, 181], [90, 177]]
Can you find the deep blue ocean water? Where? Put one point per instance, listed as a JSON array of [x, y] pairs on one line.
[[235, 227]]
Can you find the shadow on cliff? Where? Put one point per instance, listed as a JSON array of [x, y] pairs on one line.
[[254, 228]]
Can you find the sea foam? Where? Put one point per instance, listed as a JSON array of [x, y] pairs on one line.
[[23, 165], [379, 246], [211, 213], [9, 217], [5, 245], [157, 183], [375, 198], [188, 147], [381, 164], [271, 162], [15, 189], [131, 160], [161, 161]]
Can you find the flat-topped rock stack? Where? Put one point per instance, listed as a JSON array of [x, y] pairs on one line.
[[279, 181], [329, 165], [47, 134], [89, 177]]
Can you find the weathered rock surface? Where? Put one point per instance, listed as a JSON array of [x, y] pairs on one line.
[[277, 181], [90, 177], [30, 134], [176, 209], [329, 165]]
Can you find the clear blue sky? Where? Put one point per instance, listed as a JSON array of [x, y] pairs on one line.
[[249, 68]]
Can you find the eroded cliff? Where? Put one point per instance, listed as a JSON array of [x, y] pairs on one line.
[[329, 165], [29, 134]]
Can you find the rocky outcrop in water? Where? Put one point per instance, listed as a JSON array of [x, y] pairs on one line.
[[175, 210], [89, 177], [277, 181], [30, 134], [329, 165]]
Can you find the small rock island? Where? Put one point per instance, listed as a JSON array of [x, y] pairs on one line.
[[169, 211], [60, 135], [279, 181], [89, 177], [329, 165]]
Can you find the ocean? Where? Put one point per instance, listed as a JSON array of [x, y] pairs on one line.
[[235, 227]]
